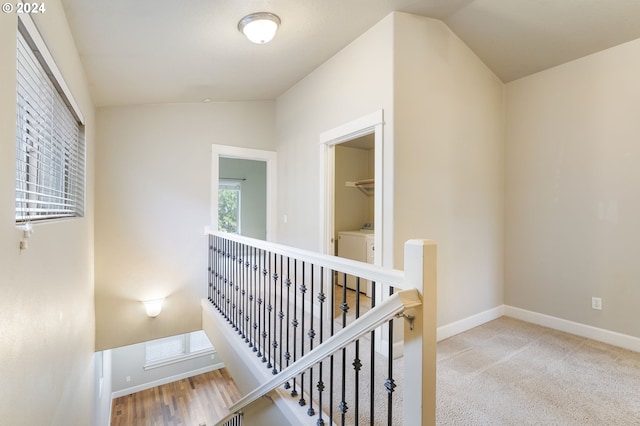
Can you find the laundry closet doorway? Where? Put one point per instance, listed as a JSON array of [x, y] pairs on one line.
[[354, 205], [360, 138]]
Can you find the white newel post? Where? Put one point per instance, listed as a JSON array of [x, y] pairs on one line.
[[419, 399]]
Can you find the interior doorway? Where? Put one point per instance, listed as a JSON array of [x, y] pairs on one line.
[[358, 134], [250, 174], [242, 197], [354, 205]]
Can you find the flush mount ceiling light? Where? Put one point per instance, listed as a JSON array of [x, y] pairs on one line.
[[259, 27]]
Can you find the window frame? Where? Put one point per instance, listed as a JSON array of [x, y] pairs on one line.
[[187, 353], [65, 168], [233, 185]]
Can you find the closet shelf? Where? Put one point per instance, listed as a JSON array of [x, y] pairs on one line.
[[364, 185]]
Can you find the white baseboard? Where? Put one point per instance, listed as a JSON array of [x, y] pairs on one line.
[[165, 380], [610, 337], [468, 323]]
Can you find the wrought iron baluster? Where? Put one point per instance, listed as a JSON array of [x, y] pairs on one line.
[[357, 363], [268, 275], [249, 297], [225, 281], [294, 322], [303, 290], [256, 308], [287, 354], [372, 363], [332, 303], [274, 292], [233, 285], [311, 334], [240, 291], [344, 306], [261, 309], [320, 386], [280, 314], [390, 383], [220, 291]]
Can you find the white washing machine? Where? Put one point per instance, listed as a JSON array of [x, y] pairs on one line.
[[356, 245]]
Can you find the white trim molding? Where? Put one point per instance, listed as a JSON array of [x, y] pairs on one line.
[[468, 323], [606, 336], [594, 333]]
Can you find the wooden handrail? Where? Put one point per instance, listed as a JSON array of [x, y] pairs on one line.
[[387, 276]]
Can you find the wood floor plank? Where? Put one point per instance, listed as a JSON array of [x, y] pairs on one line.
[[198, 400]]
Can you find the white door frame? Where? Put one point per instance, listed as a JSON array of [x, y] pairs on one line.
[[383, 190], [383, 186], [227, 151]]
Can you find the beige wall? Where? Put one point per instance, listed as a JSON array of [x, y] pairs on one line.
[[573, 190], [153, 201], [444, 125], [449, 163], [354, 83], [46, 308]]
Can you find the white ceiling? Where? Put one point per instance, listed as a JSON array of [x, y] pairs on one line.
[[155, 51]]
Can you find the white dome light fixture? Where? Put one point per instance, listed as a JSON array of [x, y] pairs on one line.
[[259, 27]]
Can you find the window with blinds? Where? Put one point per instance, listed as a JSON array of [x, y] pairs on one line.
[[169, 350], [50, 153]]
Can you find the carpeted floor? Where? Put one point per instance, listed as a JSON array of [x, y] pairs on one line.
[[508, 372]]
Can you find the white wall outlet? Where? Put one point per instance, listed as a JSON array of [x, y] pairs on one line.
[[128, 378], [596, 303]]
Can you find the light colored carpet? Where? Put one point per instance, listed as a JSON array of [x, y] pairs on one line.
[[508, 372]]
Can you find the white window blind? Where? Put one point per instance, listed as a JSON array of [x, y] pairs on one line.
[[198, 341], [50, 152], [167, 348], [172, 349]]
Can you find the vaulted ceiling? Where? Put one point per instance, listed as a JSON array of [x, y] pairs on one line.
[[155, 51]]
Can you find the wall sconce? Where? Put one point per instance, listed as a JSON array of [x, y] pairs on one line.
[[153, 307]]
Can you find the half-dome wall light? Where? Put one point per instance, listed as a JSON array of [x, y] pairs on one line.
[[153, 307], [259, 27]]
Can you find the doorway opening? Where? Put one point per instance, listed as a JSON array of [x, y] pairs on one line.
[[354, 205], [243, 191], [353, 135]]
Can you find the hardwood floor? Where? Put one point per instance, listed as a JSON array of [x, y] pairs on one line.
[[196, 401]]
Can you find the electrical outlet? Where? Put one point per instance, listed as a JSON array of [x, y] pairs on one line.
[[596, 303], [128, 379]]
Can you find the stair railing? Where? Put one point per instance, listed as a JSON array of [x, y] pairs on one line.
[[294, 311]]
